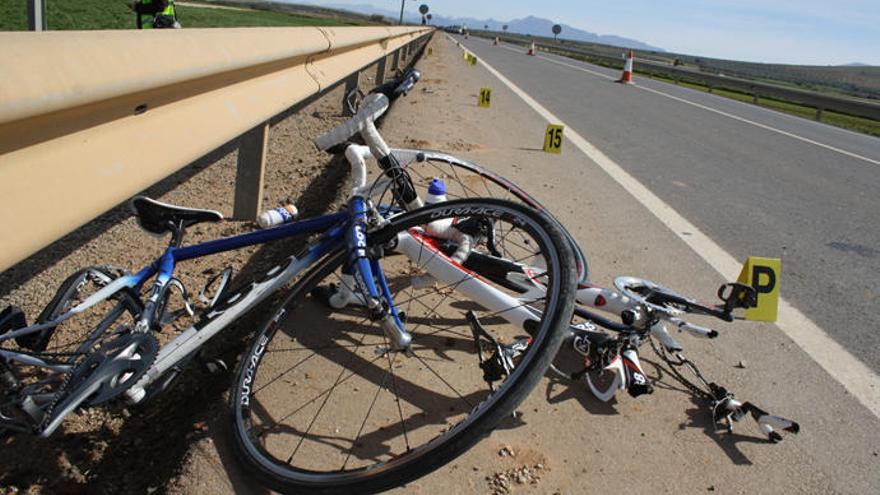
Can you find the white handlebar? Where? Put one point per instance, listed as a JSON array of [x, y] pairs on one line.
[[373, 106], [357, 156], [692, 329]]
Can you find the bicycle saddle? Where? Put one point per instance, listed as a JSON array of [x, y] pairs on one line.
[[157, 218]]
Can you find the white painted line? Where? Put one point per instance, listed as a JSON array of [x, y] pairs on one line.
[[858, 379], [715, 110]]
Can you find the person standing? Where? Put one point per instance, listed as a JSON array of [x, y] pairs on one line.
[[160, 13]]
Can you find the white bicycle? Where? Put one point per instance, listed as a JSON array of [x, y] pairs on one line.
[[642, 311]]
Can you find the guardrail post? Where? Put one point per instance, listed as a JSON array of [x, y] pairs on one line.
[[249, 174], [395, 61], [755, 98], [818, 114], [351, 84], [36, 15], [380, 71], [710, 88]]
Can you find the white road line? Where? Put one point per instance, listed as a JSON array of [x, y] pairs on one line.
[[713, 110], [858, 379]]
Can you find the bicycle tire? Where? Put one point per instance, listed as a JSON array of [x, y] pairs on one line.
[[251, 442], [455, 172]]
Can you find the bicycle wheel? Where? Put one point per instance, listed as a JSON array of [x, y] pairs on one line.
[[320, 405], [465, 179]]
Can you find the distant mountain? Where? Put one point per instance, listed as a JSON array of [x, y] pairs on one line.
[[535, 26], [855, 64], [542, 27]]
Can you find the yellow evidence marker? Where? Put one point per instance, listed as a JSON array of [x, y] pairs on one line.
[[430, 51], [485, 97], [553, 139], [473, 60], [764, 275]]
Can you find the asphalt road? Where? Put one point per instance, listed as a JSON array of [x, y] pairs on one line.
[[753, 190]]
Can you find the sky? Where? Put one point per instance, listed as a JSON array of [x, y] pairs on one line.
[[817, 32]]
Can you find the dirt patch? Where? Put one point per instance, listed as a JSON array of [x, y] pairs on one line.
[[420, 144], [453, 145], [462, 145], [527, 467]]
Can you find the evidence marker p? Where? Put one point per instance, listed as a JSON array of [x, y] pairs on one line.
[[764, 275]]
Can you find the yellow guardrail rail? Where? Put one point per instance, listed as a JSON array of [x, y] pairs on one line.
[[87, 119]]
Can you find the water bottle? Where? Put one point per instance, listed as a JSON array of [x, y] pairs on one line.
[[437, 194], [277, 216], [436, 191]]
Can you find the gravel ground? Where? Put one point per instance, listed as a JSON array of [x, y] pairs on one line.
[[117, 450]]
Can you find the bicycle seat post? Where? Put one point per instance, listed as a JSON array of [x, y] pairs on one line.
[[177, 230]]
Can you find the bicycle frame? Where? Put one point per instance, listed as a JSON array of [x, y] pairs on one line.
[[348, 228]]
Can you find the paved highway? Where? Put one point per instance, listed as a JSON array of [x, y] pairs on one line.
[[757, 182]]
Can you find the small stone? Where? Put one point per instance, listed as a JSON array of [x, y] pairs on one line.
[[506, 451], [741, 364], [711, 488]]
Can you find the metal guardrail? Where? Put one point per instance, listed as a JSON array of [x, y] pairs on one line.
[[90, 118], [820, 102]]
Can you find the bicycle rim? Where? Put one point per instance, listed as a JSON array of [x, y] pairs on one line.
[[319, 406]]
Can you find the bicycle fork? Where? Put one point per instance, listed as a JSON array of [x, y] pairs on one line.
[[370, 280]]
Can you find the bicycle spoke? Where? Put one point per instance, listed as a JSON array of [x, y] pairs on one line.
[[449, 385], [288, 370], [354, 443], [397, 397]]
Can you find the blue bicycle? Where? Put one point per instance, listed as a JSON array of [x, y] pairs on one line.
[[394, 351]]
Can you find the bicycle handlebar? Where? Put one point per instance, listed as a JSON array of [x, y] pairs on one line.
[[399, 86], [373, 106], [693, 329]]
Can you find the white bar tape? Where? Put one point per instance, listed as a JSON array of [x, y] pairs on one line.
[[373, 106], [357, 156]]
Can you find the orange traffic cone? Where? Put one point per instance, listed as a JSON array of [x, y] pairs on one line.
[[496, 41], [627, 77], [532, 51]]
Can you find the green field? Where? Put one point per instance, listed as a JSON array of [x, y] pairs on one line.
[[850, 122], [115, 14]]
